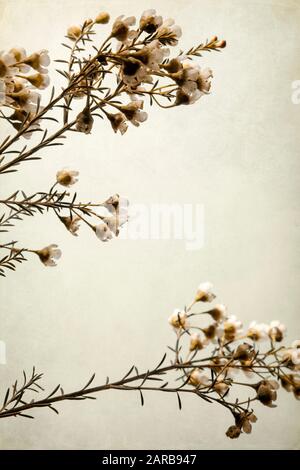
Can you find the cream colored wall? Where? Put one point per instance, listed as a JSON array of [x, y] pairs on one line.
[[105, 306]]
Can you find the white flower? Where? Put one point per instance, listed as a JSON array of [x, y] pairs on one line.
[[38, 80], [198, 378], [293, 354], [118, 122], [38, 61], [204, 292], [218, 313], [149, 21], [121, 31], [49, 254], [66, 177], [276, 330], [230, 329], [257, 331], [19, 54], [168, 32], [103, 232], [7, 62], [187, 98], [71, 224], [133, 112], [178, 319], [197, 342]]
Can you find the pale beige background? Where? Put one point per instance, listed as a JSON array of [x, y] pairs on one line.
[[105, 306]]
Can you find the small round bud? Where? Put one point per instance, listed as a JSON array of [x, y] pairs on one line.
[[74, 32], [102, 18]]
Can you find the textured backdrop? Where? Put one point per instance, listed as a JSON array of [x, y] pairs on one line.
[[106, 306]]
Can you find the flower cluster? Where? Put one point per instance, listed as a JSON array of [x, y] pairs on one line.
[[21, 75], [220, 350], [138, 61]]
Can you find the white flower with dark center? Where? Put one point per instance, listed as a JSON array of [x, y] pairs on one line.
[[151, 55], [230, 329], [103, 232], [169, 32], [257, 331], [19, 54], [149, 21], [7, 68], [276, 331], [71, 224], [198, 378], [38, 80], [121, 29], [49, 254], [133, 112], [204, 292], [197, 342], [24, 99], [292, 354], [118, 122], [38, 61], [218, 313], [179, 319], [67, 177], [187, 98]]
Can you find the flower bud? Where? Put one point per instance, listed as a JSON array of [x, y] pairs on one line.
[[102, 18]]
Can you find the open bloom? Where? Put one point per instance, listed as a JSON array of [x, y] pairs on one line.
[[266, 392], [67, 177], [292, 354], [198, 378], [230, 329], [204, 292], [7, 68], [118, 122], [168, 32], [133, 112], [121, 29], [38, 61], [38, 80], [49, 254], [71, 224], [257, 331], [218, 313], [103, 232], [179, 319], [149, 21], [276, 330], [197, 342]]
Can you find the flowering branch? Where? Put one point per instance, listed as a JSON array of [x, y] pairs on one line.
[[210, 376], [110, 81]]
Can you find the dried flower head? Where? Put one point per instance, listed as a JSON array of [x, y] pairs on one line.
[[197, 342], [67, 177], [218, 313], [85, 121], [266, 392], [198, 378], [102, 18], [71, 224], [49, 254], [103, 232], [276, 331], [121, 28], [149, 21], [179, 319], [204, 292]]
